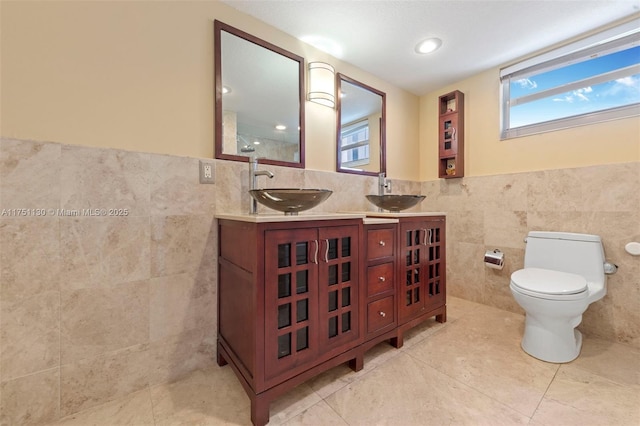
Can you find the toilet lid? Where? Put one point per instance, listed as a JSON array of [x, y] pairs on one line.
[[545, 281]]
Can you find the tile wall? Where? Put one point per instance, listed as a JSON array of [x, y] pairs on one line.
[[94, 307], [496, 212]]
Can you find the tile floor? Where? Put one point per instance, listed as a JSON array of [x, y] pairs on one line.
[[468, 371]]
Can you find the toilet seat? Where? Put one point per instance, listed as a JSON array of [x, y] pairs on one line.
[[548, 284]]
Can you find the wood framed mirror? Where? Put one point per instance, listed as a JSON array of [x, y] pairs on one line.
[[259, 95], [361, 128]]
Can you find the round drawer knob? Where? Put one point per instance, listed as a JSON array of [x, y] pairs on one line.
[[382, 243], [382, 279], [382, 314]]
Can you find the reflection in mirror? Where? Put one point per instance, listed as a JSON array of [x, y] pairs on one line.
[[361, 128], [259, 99]]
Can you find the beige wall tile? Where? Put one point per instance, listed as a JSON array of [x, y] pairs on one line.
[[93, 178], [555, 190], [103, 251], [556, 221], [99, 320], [453, 194], [505, 229], [175, 357], [497, 291], [465, 270], [30, 335], [180, 303], [31, 399], [348, 191], [466, 226], [500, 192], [178, 244], [610, 188], [90, 382], [283, 177], [175, 187], [29, 257], [167, 245], [29, 175], [231, 187]]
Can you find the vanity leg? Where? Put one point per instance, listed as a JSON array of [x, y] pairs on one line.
[[220, 359], [259, 410], [443, 316], [397, 341], [357, 363]]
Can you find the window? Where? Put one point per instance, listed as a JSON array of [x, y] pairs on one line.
[[355, 144], [592, 80]]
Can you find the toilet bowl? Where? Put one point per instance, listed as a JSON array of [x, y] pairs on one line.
[[563, 274]]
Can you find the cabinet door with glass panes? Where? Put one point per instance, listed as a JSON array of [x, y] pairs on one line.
[[421, 268], [311, 278], [338, 286]]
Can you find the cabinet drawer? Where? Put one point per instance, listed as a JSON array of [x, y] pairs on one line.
[[379, 314], [379, 243], [379, 278]]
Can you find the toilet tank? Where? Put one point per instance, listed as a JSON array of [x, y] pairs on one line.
[[580, 254]]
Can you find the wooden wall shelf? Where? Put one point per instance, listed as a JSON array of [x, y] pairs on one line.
[[451, 135]]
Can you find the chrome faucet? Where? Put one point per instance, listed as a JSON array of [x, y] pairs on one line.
[[383, 184], [253, 174]]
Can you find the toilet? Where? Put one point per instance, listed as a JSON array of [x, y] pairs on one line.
[[563, 274]]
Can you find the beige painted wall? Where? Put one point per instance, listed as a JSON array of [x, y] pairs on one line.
[[139, 76], [611, 142]]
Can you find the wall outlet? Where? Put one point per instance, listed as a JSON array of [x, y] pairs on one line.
[[207, 172]]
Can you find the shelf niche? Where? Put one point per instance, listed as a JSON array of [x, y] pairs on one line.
[[451, 135]]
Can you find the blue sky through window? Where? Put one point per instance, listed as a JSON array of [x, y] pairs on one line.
[[618, 92]]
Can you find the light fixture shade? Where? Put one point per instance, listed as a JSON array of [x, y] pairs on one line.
[[322, 84]]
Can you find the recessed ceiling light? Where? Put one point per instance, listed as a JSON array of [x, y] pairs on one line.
[[281, 127], [429, 45], [256, 142]]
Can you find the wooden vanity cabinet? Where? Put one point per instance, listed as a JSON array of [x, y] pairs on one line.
[[405, 281], [379, 283], [421, 270], [298, 298], [288, 303]]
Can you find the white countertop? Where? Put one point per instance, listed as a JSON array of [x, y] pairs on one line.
[[281, 217], [367, 216], [379, 220], [389, 214]]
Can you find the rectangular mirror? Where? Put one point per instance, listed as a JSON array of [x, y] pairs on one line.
[[361, 130], [259, 99]]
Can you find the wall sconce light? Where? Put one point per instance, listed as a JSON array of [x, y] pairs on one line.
[[322, 84]]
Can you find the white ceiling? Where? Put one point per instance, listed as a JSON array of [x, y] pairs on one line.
[[380, 36]]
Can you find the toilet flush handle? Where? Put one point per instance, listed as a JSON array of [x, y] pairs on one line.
[[610, 268]]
